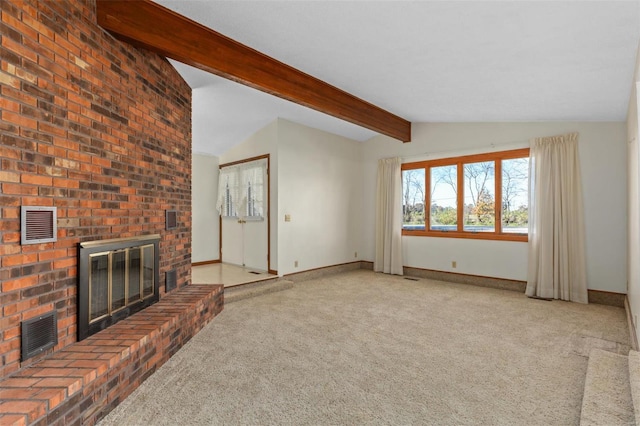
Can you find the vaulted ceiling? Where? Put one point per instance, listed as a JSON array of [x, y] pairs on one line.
[[426, 61]]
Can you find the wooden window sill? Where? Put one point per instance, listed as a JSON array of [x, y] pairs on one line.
[[467, 235]]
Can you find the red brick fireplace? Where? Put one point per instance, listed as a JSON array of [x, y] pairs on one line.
[[102, 132]]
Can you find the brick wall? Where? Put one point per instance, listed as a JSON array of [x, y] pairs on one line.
[[97, 128]]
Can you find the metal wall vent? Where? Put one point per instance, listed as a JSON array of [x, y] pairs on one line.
[[171, 219], [171, 280], [39, 334], [38, 224]]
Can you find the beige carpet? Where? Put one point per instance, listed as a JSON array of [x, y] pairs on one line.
[[634, 381], [607, 393], [366, 348]]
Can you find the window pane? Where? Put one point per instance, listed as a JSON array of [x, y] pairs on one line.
[[255, 178], [229, 206], [118, 280], [413, 199], [148, 273], [479, 197], [515, 195], [134, 275], [99, 286], [251, 202], [444, 211]]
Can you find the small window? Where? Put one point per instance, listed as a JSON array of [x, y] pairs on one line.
[[241, 190], [482, 196]]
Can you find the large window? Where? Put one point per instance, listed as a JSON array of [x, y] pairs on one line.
[[456, 197]]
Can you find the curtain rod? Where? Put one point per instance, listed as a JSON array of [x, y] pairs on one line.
[[462, 151]]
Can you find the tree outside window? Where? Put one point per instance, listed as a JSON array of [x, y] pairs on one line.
[[473, 211]]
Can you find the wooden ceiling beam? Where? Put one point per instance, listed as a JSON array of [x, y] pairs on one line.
[[146, 24]]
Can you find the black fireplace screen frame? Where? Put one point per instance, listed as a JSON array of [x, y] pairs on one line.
[[88, 248]]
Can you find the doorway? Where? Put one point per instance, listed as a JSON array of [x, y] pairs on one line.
[[243, 202]]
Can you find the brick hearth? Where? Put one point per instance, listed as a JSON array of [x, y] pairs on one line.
[[83, 382]]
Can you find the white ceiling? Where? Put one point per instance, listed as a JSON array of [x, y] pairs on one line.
[[426, 61]]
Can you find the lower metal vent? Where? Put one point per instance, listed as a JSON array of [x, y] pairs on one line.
[[39, 334], [171, 280]]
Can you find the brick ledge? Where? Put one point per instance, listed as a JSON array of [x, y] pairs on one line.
[[83, 382]]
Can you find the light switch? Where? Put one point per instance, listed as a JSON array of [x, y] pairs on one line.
[[287, 218]]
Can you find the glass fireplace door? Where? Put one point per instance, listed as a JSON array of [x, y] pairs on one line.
[[99, 286], [120, 278]]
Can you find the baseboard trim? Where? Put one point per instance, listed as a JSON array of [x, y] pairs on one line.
[[607, 298], [597, 297], [633, 337], [477, 280], [365, 264], [323, 271], [205, 262]]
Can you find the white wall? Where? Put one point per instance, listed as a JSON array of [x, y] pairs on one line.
[[633, 138], [264, 141], [205, 243], [320, 183], [316, 179], [603, 161]]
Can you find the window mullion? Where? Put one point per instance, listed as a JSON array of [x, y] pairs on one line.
[[460, 196], [498, 198], [427, 198]]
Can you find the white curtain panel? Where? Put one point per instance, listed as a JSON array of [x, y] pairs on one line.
[[238, 178], [254, 176], [229, 178], [389, 217], [556, 221]]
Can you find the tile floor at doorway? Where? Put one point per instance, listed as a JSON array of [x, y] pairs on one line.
[[227, 274]]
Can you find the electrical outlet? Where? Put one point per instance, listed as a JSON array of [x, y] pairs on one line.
[[295, 264], [355, 254], [454, 264]]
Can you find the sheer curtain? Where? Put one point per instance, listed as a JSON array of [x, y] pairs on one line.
[[241, 190], [557, 267], [253, 181], [228, 191], [389, 217]]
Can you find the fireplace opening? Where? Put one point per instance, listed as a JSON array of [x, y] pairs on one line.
[[117, 278]]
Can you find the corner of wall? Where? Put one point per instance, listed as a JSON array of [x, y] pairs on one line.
[[205, 244], [633, 200]]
